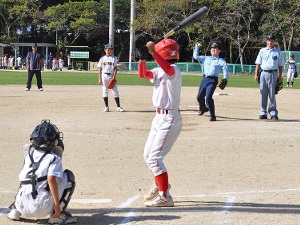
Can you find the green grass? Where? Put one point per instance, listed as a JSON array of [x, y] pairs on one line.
[[91, 78]]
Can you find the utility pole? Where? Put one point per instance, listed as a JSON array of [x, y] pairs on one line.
[[132, 33], [111, 35]]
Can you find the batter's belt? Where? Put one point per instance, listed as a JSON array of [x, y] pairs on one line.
[[166, 111]]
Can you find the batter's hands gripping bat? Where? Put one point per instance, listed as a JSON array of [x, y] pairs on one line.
[[187, 21]]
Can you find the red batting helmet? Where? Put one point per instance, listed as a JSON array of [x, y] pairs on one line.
[[168, 49]]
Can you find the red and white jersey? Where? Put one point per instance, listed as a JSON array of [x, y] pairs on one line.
[[166, 93], [108, 63]]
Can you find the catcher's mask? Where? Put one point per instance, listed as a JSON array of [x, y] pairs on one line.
[[46, 136], [168, 49]]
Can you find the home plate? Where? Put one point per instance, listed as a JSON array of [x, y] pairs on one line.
[[91, 201]]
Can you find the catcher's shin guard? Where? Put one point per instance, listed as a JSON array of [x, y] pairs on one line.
[[67, 194]]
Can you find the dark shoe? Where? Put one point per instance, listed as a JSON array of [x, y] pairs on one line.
[[274, 117], [200, 113], [213, 118], [263, 117]]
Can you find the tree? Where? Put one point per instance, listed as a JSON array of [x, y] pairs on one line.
[[74, 18]]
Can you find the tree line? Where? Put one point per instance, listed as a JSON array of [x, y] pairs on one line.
[[241, 25]]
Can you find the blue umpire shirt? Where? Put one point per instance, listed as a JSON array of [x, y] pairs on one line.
[[35, 60], [270, 59], [212, 66]]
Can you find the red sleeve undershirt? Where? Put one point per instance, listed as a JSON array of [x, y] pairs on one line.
[[147, 74], [166, 66]]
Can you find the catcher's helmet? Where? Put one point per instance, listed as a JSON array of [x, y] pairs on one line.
[[168, 49], [45, 136]]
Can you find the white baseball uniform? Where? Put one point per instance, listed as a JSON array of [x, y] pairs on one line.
[[291, 70], [43, 204], [167, 123], [108, 64]]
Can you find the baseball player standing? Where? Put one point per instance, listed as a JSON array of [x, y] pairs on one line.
[[291, 71], [108, 67], [167, 123], [270, 60], [212, 67]]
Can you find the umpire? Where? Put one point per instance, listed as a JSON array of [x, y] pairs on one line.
[[34, 65], [270, 60]]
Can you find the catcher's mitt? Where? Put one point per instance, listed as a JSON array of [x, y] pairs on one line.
[[222, 84], [112, 82], [278, 87]]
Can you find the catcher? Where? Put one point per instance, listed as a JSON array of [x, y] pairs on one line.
[[45, 189], [108, 67], [212, 67]]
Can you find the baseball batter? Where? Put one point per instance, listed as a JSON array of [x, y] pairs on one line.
[[291, 71], [167, 123], [108, 67]]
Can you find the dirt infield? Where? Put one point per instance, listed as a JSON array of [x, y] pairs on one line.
[[237, 170]]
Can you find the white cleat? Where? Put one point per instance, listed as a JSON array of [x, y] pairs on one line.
[[27, 89], [153, 192], [120, 109], [14, 214], [106, 109], [160, 201], [41, 89]]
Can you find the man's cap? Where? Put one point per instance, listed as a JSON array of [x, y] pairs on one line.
[[215, 44], [292, 56], [34, 45], [271, 37], [108, 46]]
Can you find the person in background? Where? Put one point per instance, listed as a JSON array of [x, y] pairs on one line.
[[108, 68], [291, 71], [34, 65], [270, 60], [213, 64]]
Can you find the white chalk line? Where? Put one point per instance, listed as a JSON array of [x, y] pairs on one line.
[[91, 201], [132, 213], [88, 134], [229, 203], [127, 203], [237, 137], [239, 193]]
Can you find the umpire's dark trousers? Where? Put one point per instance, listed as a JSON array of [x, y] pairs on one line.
[[38, 78], [206, 89]]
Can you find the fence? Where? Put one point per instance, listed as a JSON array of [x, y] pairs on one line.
[[196, 67]]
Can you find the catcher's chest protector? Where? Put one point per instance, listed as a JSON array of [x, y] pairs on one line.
[[31, 176]]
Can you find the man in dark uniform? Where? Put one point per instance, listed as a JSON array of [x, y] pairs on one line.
[[34, 65]]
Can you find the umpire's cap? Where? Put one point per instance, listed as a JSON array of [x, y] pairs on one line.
[[108, 46], [34, 45], [215, 44], [271, 37]]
